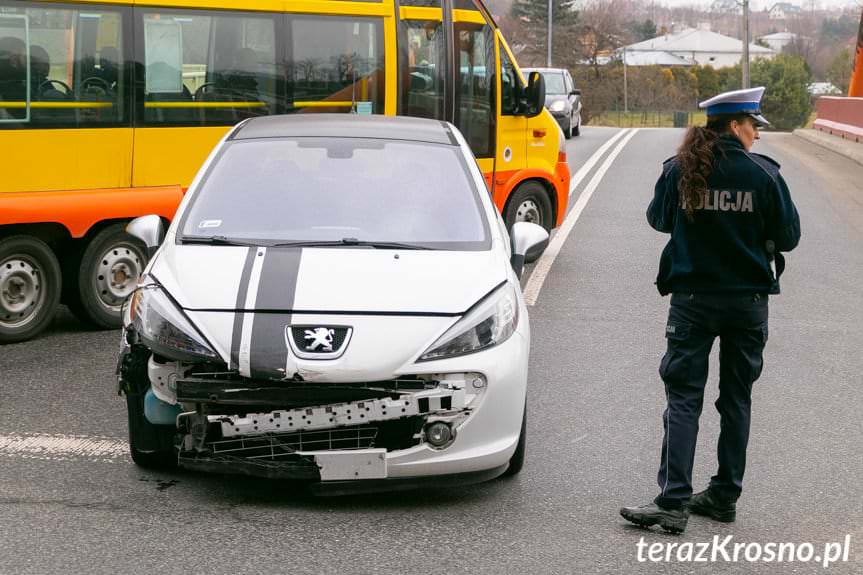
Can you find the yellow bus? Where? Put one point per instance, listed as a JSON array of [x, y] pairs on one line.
[[108, 108]]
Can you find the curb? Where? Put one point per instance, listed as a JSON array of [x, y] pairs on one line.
[[850, 150]]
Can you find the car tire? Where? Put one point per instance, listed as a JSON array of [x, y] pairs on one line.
[[107, 275], [30, 286], [151, 446], [516, 462], [567, 133], [577, 130], [530, 203]]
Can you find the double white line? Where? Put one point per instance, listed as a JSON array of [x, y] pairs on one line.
[[543, 265]]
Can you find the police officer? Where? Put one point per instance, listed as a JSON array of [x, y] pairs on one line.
[[730, 216]]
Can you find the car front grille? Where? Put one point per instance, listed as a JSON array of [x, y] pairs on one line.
[[276, 445]]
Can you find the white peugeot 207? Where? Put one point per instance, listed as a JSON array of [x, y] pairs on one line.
[[337, 300]]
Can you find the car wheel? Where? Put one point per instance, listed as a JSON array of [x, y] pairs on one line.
[[151, 446], [30, 286], [107, 275], [530, 203], [577, 130], [567, 133], [516, 462]]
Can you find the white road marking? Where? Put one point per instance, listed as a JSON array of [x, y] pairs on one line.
[[543, 265], [588, 165], [63, 447]]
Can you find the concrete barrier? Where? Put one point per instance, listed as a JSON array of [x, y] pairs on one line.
[[840, 117]]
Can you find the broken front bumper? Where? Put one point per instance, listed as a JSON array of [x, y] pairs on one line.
[[335, 433]]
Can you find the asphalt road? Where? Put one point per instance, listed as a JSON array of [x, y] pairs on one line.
[[594, 431]]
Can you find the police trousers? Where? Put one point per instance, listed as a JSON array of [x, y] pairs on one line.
[[694, 322]]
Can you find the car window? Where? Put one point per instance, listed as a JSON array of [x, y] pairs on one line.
[[554, 83], [317, 189]]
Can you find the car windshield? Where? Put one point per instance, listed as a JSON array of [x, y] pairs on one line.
[[348, 191], [554, 83]]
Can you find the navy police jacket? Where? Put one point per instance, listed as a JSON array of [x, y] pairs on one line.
[[745, 220]]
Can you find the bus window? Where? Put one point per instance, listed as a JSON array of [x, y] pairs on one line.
[[72, 62], [335, 64], [422, 81], [511, 87], [206, 68], [474, 114]]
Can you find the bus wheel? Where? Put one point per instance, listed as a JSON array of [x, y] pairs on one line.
[[530, 203], [108, 274], [30, 286]]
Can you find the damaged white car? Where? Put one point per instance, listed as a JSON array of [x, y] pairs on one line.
[[337, 300]]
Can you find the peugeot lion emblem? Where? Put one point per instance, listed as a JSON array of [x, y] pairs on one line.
[[321, 338], [318, 341]]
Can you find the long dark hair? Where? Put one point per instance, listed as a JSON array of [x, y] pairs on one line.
[[695, 156]]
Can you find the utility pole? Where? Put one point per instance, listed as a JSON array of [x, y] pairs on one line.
[[548, 57], [745, 63], [625, 87]]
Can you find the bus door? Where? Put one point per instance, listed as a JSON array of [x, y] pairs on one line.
[[447, 70], [64, 117], [512, 123]]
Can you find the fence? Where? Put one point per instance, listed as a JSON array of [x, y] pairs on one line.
[[648, 119]]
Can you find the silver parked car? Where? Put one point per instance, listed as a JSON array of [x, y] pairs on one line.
[[562, 98]]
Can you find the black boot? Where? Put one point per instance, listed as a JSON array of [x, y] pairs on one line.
[[710, 505], [672, 520]]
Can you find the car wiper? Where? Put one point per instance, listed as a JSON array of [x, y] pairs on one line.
[[352, 242], [215, 241]]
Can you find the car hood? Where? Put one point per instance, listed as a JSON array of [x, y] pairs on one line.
[[327, 280], [552, 98], [246, 301]]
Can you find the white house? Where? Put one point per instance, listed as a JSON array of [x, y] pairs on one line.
[[698, 46], [783, 11], [779, 40]]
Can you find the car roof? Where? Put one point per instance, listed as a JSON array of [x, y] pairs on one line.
[[346, 126]]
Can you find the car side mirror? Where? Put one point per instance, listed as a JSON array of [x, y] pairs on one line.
[[534, 95], [526, 237], [575, 92], [148, 229]]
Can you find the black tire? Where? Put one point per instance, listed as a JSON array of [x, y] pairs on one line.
[[107, 275], [516, 462], [567, 133], [30, 286], [151, 446], [539, 211], [577, 130]]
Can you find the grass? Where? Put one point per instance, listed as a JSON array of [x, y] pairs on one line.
[[644, 119]]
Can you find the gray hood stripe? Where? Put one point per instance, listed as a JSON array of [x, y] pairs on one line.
[[277, 290]]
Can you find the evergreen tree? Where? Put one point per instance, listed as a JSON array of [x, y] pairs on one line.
[[533, 18]]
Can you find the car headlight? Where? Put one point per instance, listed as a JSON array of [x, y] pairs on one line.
[[165, 329], [487, 324], [558, 106]]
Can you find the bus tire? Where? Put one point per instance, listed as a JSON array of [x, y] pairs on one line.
[[107, 275], [530, 203], [30, 287]]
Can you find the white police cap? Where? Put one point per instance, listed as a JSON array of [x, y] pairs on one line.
[[746, 101]]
